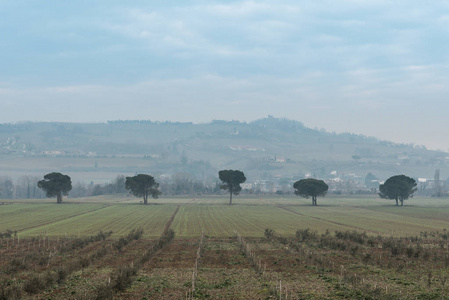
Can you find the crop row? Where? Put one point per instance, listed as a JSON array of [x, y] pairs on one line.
[[123, 276], [357, 265], [41, 270], [26, 254]]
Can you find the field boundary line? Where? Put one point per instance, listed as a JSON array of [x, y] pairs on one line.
[[328, 221], [197, 262], [62, 219], [417, 217], [172, 218]]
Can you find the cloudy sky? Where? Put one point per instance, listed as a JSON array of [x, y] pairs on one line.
[[379, 68]]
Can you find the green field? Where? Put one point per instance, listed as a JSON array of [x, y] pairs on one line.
[[118, 218], [249, 215]]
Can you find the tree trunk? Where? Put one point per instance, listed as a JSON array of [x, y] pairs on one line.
[[402, 202], [397, 204], [230, 197], [59, 198], [145, 199]]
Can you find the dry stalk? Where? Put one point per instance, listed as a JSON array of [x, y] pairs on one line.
[[197, 261], [260, 268]]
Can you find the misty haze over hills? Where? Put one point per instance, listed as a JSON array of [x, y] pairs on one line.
[[378, 68], [265, 149]]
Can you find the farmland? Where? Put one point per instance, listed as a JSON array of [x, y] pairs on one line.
[[104, 247], [250, 216]]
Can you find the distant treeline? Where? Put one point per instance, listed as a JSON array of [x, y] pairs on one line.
[[25, 187], [147, 122], [177, 184]]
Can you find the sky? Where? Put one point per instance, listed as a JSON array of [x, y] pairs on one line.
[[378, 68]]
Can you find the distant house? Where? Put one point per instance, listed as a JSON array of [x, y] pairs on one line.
[[246, 186], [422, 180], [337, 179], [280, 160], [53, 153], [243, 148]]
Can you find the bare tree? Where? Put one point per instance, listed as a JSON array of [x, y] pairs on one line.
[[26, 188], [438, 185], [6, 188]]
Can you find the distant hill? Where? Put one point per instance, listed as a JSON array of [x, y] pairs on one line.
[[264, 149]]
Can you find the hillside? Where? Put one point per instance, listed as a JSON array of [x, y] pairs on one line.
[[264, 149]]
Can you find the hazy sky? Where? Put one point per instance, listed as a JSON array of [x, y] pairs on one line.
[[379, 68]]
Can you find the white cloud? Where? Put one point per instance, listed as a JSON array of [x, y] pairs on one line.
[[247, 9]]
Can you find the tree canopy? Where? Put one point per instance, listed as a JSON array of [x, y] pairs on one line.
[[143, 185], [371, 181], [55, 184], [399, 188], [310, 187], [231, 180]]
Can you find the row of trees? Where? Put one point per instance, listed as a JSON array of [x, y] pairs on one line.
[[398, 188], [144, 185], [181, 183], [56, 185]]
